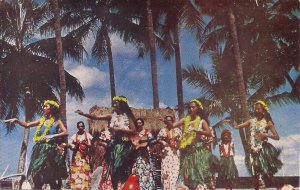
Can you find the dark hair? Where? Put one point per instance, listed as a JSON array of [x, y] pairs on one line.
[[138, 119], [166, 117], [124, 108], [268, 117], [201, 112], [80, 122], [54, 111], [224, 132]]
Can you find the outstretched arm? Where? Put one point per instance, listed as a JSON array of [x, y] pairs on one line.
[[274, 134], [177, 123], [94, 117], [23, 123], [243, 125]]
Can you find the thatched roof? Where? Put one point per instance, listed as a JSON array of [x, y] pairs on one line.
[[153, 117]]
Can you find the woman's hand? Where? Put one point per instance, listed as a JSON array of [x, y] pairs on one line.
[[261, 136], [11, 120], [47, 137], [79, 112]]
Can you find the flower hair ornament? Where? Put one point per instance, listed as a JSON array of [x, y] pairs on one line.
[[263, 104], [198, 103], [119, 98], [52, 103]]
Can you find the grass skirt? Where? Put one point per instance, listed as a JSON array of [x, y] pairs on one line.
[[228, 170], [265, 162], [195, 165], [119, 158], [47, 164]]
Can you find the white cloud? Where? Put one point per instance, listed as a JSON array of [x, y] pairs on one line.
[[90, 100], [90, 76], [290, 154], [140, 75], [119, 47]]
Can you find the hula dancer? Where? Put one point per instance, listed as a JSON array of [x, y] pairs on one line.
[[47, 165], [80, 173], [228, 172], [263, 160], [195, 167], [119, 156]]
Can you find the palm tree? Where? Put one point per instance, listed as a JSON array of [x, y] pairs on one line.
[[152, 55], [102, 18], [252, 20], [61, 69], [27, 60], [212, 86]]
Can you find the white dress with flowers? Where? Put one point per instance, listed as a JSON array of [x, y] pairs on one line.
[[80, 173]]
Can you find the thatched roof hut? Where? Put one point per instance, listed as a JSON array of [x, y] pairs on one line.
[[153, 118], [153, 122]]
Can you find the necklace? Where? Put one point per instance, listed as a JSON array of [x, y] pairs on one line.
[[225, 153], [189, 137], [37, 136]]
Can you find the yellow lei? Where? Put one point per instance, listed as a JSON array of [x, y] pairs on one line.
[[37, 137], [189, 137]]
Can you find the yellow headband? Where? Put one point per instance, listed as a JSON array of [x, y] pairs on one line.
[[118, 98], [263, 104], [198, 102], [51, 102]]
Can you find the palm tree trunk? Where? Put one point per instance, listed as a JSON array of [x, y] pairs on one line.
[[24, 146], [178, 73], [293, 84], [61, 69], [240, 77], [152, 56], [111, 66]]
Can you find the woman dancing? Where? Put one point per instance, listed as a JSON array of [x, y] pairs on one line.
[[262, 161], [47, 165], [195, 166], [119, 155]]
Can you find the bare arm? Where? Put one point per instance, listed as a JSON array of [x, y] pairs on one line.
[[94, 117], [62, 129], [274, 134], [243, 125], [23, 123], [206, 130], [120, 130], [178, 124]]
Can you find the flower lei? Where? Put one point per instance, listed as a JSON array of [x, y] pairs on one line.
[[51, 102], [259, 126], [119, 98], [187, 136], [265, 106], [37, 137], [224, 153]]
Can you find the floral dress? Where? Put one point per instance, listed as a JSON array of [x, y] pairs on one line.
[[80, 173], [119, 156], [170, 163], [142, 165], [263, 158]]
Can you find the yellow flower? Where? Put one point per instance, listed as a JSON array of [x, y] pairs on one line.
[[118, 98], [187, 137], [37, 137]]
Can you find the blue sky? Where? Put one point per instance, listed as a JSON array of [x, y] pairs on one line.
[[133, 79]]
